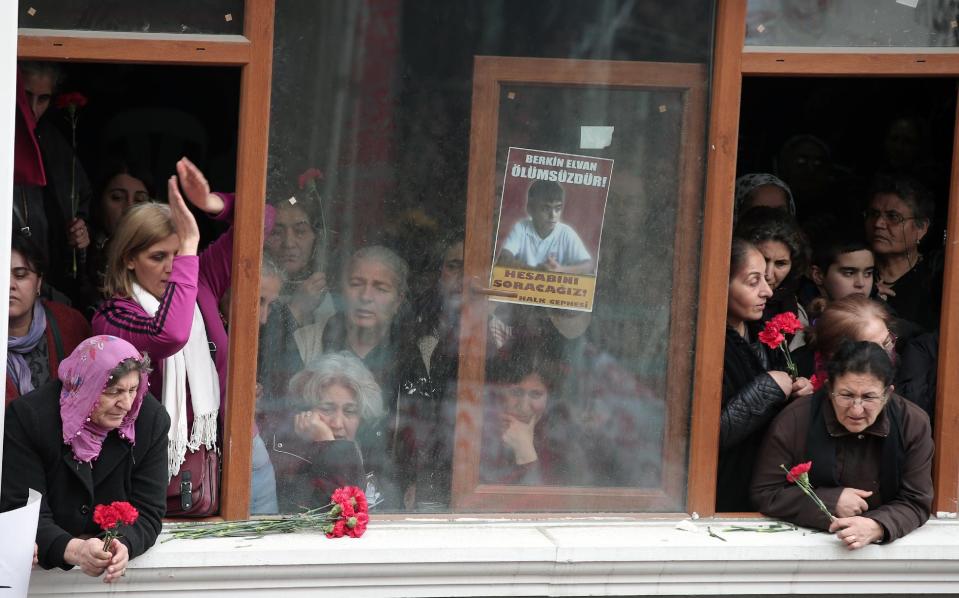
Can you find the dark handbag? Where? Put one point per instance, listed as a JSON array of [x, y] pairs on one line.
[[195, 490]]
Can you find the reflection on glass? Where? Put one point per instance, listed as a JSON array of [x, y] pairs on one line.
[[864, 23], [368, 171], [141, 16]]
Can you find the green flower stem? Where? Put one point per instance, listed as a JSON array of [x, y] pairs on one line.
[[790, 364], [313, 519]]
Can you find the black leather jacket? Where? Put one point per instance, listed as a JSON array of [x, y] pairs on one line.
[[751, 398]]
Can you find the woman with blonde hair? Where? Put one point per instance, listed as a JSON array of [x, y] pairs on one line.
[[164, 300]]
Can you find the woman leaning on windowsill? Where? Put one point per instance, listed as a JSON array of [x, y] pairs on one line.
[[871, 453]]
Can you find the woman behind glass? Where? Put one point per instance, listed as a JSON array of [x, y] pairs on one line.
[[752, 394], [92, 436], [528, 435], [40, 332], [296, 244], [315, 451], [871, 453]]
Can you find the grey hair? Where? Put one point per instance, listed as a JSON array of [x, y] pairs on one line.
[[344, 369], [270, 268], [130, 364], [388, 258]]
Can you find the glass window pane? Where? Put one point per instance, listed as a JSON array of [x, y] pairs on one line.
[[141, 16], [372, 109], [862, 23]]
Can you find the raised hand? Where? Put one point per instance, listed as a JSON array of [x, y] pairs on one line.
[[183, 221], [196, 188]]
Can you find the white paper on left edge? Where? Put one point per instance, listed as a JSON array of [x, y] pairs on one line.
[[19, 531]]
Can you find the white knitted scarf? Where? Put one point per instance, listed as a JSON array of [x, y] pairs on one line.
[[190, 365]]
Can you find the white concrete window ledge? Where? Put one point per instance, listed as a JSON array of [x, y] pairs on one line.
[[533, 558]]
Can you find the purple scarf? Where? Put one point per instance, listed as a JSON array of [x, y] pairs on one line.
[[85, 375], [18, 346]]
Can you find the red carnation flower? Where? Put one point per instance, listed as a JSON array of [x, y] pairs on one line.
[[356, 526], [771, 336], [127, 513], [73, 98], [337, 530], [106, 516], [310, 175], [796, 473], [817, 382], [352, 496], [346, 509], [788, 323]]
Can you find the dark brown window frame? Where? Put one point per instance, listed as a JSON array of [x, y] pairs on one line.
[[489, 75], [731, 61]]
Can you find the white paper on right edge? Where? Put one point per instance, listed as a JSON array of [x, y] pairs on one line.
[[19, 531]]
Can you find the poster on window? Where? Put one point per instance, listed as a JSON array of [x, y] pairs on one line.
[[550, 226]]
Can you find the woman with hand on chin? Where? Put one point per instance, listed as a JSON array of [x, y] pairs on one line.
[[164, 300], [317, 451], [871, 453], [752, 395], [91, 436], [528, 435]]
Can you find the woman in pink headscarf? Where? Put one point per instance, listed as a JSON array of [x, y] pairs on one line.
[[92, 437]]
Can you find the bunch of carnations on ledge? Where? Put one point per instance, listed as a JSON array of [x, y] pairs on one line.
[[774, 336], [799, 475], [347, 514], [109, 517]]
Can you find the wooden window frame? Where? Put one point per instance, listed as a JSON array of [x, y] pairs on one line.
[[253, 53], [489, 76], [734, 60]]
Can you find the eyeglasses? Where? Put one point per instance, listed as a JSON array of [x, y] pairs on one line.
[[891, 216], [867, 400]]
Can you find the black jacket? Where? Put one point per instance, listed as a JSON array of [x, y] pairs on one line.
[[751, 398], [34, 456], [916, 374]]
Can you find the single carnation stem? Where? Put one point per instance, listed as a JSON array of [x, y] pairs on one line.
[[790, 364]]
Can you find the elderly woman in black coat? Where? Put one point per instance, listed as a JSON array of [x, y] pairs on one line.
[[92, 437]]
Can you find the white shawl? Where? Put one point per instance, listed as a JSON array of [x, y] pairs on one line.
[[190, 365]]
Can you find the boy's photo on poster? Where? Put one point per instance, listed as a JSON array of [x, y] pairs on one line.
[[551, 221]]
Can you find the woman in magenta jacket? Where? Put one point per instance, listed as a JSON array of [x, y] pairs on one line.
[[164, 301]]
